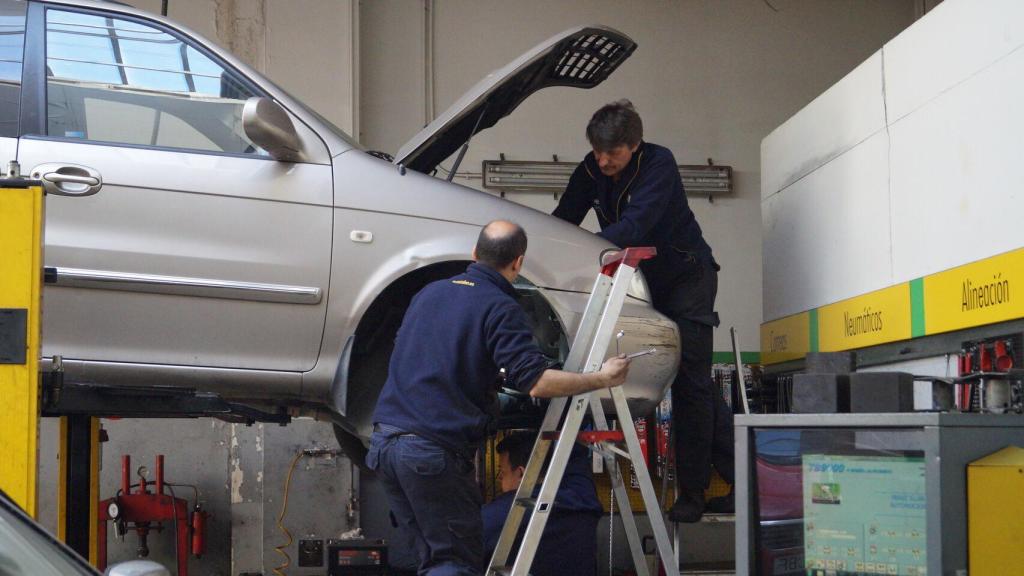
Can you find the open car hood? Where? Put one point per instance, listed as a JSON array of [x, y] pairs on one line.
[[582, 57]]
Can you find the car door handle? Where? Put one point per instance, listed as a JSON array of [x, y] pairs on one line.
[[58, 178], [68, 179]]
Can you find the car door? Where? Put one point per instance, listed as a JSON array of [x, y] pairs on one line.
[[12, 44], [199, 249]]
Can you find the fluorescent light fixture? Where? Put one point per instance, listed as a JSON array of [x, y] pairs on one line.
[[516, 175]]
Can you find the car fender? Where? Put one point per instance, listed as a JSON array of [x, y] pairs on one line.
[[422, 257], [642, 328], [390, 223]]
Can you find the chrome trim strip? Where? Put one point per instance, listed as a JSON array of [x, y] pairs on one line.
[[784, 522], [183, 286]]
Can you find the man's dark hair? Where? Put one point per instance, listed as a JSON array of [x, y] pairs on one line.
[[613, 125], [518, 445], [500, 243]]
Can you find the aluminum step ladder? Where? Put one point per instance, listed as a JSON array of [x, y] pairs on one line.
[[587, 355]]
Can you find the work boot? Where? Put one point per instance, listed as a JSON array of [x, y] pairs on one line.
[[723, 504], [689, 507]]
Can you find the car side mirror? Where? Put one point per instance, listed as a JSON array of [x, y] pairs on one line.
[[137, 568], [270, 127]]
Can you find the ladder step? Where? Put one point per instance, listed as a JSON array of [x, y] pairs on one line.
[[590, 436], [526, 502], [499, 571], [595, 436]]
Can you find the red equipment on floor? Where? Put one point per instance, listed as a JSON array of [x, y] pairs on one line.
[[145, 511]]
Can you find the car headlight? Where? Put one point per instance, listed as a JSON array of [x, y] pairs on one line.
[[638, 287]]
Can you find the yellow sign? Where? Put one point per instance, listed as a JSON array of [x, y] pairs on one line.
[[786, 338], [984, 292], [874, 318]]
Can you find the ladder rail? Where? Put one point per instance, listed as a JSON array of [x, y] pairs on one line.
[[636, 547], [643, 477], [544, 503], [587, 354], [610, 308], [530, 475], [573, 363]]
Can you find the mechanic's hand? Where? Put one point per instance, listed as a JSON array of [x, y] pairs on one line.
[[615, 370]]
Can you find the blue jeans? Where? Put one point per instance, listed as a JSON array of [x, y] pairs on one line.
[[433, 498]]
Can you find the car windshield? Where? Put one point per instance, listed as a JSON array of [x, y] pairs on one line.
[[26, 549]]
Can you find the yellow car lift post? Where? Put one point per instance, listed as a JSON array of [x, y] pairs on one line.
[[22, 217], [78, 493], [21, 271]]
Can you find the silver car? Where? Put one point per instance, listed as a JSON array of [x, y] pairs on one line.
[[210, 231]]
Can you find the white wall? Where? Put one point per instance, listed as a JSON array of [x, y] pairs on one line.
[[710, 79], [906, 167]]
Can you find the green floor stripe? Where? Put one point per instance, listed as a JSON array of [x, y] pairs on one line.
[[745, 357], [813, 324], [917, 327]]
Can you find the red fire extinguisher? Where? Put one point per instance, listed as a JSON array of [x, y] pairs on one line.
[[198, 525]]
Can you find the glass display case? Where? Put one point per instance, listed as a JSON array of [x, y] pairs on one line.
[[843, 494]]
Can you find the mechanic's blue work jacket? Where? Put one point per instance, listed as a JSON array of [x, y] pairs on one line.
[[456, 336], [569, 543], [645, 207]]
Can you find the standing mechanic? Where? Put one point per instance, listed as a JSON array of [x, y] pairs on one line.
[[637, 193], [434, 408]]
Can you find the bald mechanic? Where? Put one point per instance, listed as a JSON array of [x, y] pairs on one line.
[[434, 408], [637, 193]]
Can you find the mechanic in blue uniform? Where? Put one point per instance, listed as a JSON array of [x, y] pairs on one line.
[[636, 191], [435, 405], [570, 536]]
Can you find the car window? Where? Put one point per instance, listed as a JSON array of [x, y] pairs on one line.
[[12, 46], [117, 80]]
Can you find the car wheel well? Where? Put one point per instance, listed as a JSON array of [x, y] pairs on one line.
[[386, 312], [375, 334], [374, 340]]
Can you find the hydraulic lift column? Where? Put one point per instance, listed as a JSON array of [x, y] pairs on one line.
[[21, 270], [78, 486]]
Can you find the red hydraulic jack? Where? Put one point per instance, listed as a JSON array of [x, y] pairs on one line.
[[144, 511]]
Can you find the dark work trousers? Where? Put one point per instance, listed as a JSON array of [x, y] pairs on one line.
[[434, 500], [702, 420]]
